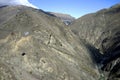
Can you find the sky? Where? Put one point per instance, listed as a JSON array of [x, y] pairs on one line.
[[75, 8]]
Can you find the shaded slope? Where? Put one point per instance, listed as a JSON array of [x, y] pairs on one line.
[[101, 29]]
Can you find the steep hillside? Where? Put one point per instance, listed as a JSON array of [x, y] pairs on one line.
[[102, 30], [37, 46]]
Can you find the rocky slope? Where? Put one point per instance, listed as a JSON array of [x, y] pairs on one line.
[[102, 30], [37, 46]]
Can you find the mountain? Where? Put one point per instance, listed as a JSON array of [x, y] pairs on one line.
[[102, 30], [67, 19], [35, 45]]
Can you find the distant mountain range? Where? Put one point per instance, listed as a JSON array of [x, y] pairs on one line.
[[40, 45], [66, 18]]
